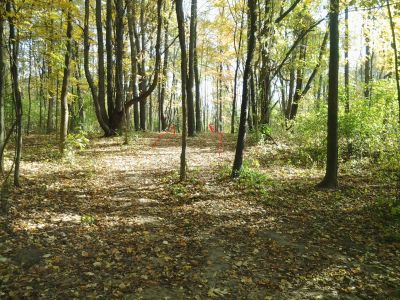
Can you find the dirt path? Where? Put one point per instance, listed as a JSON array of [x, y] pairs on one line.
[[115, 223]]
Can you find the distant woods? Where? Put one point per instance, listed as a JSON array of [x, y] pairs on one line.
[[114, 67]]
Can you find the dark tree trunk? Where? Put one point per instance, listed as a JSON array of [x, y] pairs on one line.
[[93, 88], [251, 44], [2, 74], [184, 75], [119, 71], [110, 63], [65, 83], [330, 180], [100, 62], [14, 45], [190, 81], [396, 59]]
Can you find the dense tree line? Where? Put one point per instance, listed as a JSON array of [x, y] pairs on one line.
[[120, 66]]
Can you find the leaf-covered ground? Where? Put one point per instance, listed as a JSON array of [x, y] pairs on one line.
[[114, 222]]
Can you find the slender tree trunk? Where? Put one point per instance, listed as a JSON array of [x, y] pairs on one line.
[[65, 84], [131, 13], [14, 45], [110, 63], [251, 44], [119, 70], [184, 75], [330, 179], [235, 85], [100, 63], [163, 123], [347, 73], [396, 59], [367, 63], [190, 80], [193, 23], [28, 126], [2, 74]]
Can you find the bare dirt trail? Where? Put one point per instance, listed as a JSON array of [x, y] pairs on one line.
[[116, 223]]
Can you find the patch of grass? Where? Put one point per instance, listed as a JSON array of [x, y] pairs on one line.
[[251, 178]]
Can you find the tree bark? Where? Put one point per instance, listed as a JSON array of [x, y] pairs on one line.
[[182, 43], [65, 84], [110, 63], [2, 74], [396, 59], [330, 180], [190, 80], [14, 45], [251, 44], [93, 88]]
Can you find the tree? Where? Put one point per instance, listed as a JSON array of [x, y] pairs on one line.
[[2, 71], [65, 83], [330, 180], [184, 88], [14, 45], [190, 80], [396, 59], [251, 44]]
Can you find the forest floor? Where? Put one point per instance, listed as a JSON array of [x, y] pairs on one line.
[[114, 222]]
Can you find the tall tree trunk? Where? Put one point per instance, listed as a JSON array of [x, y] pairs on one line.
[[28, 125], [238, 48], [110, 63], [190, 81], [100, 62], [367, 62], [347, 72], [181, 28], [52, 100], [163, 123], [131, 13], [65, 83], [14, 45], [330, 179], [396, 59], [193, 23], [119, 70], [2, 74], [251, 44], [93, 88]]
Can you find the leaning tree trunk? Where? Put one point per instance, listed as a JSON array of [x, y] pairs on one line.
[[14, 44], [65, 83], [181, 29], [330, 180], [251, 44]]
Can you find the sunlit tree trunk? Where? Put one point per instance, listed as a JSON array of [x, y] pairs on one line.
[[184, 75], [65, 84]]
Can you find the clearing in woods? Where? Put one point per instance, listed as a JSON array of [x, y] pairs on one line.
[[115, 222]]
